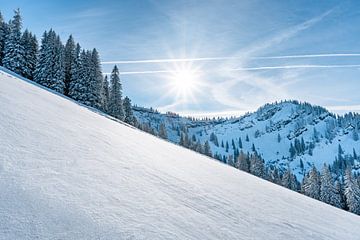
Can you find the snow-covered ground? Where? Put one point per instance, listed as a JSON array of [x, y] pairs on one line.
[[67, 172]]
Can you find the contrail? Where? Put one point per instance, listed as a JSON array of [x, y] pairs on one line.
[[312, 56], [246, 69], [295, 66], [172, 60], [169, 60]]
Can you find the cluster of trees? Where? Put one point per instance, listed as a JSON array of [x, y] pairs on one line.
[[67, 69], [341, 192]]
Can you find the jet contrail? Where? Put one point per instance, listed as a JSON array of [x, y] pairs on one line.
[[169, 60], [294, 66], [172, 60], [246, 69], [311, 56]]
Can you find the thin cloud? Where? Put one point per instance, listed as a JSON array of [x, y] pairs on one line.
[[205, 59], [247, 69], [325, 55]]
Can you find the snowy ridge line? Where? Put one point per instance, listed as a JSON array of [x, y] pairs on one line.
[[6, 71]]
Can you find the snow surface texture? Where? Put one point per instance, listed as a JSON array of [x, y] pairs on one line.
[[67, 172]]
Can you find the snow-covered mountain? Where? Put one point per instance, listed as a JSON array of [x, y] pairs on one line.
[[285, 134], [69, 172]]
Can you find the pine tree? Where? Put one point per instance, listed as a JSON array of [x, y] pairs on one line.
[[92, 77], [76, 86], [115, 101], [129, 115], [328, 192], [29, 41], [3, 35], [105, 95], [289, 180], [69, 58], [13, 49], [243, 162], [49, 70], [352, 192], [257, 167], [311, 184]]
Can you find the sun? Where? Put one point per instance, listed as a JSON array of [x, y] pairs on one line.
[[184, 81]]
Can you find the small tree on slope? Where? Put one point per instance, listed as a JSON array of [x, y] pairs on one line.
[[115, 101]]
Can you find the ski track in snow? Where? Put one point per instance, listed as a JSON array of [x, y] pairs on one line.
[[67, 172]]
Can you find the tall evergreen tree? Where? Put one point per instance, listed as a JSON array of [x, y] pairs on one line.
[[257, 167], [328, 192], [129, 115], [243, 162], [49, 70], [311, 184], [105, 95], [3, 35], [352, 192], [13, 49], [289, 180], [86, 87], [69, 58], [115, 99], [76, 85], [29, 41]]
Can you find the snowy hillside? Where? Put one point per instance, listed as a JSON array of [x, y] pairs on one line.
[[314, 133], [67, 172]]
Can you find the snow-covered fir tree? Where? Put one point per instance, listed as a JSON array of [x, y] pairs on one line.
[[69, 58], [115, 99], [3, 34], [129, 115], [352, 192], [49, 70], [13, 49], [257, 167], [311, 184], [30, 43], [105, 95], [76, 85], [289, 180], [95, 80], [243, 162], [328, 192]]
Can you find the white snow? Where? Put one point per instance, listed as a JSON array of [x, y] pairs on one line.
[[67, 172]]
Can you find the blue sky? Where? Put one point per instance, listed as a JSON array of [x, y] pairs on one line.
[[229, 46]]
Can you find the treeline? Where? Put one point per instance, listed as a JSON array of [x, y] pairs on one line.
[[67, 69], [335, 184]]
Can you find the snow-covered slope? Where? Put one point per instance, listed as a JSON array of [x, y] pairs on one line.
[[67, 172]]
